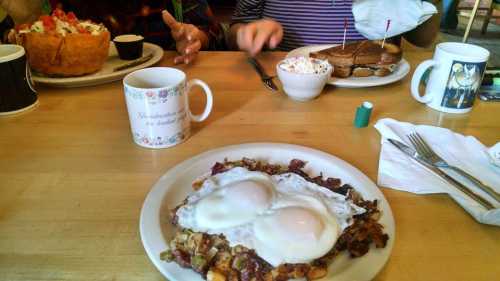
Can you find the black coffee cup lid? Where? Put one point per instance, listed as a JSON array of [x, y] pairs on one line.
[[128, 38]]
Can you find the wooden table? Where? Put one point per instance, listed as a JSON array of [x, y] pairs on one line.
[[72, 182]]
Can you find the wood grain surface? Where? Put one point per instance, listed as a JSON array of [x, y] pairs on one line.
[[72, 182]]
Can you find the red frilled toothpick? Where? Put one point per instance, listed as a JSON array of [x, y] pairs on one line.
[[345, 32], [385, 34]]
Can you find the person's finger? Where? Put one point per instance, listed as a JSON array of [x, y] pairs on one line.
[[193, 47], [245, 37], [249, 35], [190, 58], [179, 59], [179, 33], [186, 59], [259, 41], [239, 38], [186, 47], [276, 38], [170, 21], [181, 46], [191, 33]]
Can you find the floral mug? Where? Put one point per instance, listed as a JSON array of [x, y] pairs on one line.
[[158, 106]]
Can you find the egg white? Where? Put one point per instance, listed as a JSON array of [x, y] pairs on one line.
[[293, 220]]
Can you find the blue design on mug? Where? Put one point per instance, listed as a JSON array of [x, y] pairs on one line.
[[463, 82]]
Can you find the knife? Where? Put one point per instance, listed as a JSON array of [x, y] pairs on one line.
[[266, 79], [133, 63], [413, 154]]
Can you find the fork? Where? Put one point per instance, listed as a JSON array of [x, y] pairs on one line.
[[266, 79], [427, 153]]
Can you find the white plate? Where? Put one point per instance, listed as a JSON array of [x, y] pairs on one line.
[[355, 82], [175, 185], [106, 74]]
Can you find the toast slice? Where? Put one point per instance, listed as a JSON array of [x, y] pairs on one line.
[[338, 56], [368, 53], [361, 59], [392, 53]]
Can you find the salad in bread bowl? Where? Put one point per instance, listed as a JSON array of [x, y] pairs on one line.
[[62, 45]]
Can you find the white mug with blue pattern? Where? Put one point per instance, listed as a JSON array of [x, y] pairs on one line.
[[158, 106], [456, 73]]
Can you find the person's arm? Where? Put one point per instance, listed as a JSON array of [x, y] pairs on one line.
[[425, 34]]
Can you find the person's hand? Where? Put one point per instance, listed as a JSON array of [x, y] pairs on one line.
[[253, 36], [188, 38]]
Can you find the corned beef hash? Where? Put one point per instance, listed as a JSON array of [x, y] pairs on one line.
[[249, 220]]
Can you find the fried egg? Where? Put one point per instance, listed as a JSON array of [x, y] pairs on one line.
[[284, 218]]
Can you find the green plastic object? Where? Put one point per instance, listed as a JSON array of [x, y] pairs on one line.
[[46, 7], [178, 13], [496, 81], [363, 113]]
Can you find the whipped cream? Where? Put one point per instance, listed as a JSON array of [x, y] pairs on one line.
[[305, 65]]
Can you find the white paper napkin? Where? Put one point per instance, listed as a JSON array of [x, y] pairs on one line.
[[398, 171], [494, 152], [370, 16]]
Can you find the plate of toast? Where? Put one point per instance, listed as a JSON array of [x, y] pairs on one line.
[[360, 64]]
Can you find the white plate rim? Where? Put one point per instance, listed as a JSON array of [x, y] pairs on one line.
[[152, 235], [355, 82], [95, 78]]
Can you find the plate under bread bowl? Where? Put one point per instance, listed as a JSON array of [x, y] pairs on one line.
[[107, 73], [402, 69]]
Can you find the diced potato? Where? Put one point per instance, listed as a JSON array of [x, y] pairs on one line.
[[316, 273], [167, 256], [232, 276], [268, 276], [213, 275], [193, 240], [199, 263], [299, 271], [223, 262], [198, 183], [203, 245]]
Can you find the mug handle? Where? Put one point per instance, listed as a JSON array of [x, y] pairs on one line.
[[208, 94], [417, 77]]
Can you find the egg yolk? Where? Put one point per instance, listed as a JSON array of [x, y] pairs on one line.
[[299, 224], [294, 235], [233, 205]]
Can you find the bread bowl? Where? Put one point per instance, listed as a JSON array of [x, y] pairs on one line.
[[61, 45]]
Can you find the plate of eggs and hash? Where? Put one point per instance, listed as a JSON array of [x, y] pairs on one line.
[[266, 211]]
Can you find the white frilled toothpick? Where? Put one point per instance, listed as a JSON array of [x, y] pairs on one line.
[[345, 32], [385, 34]]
